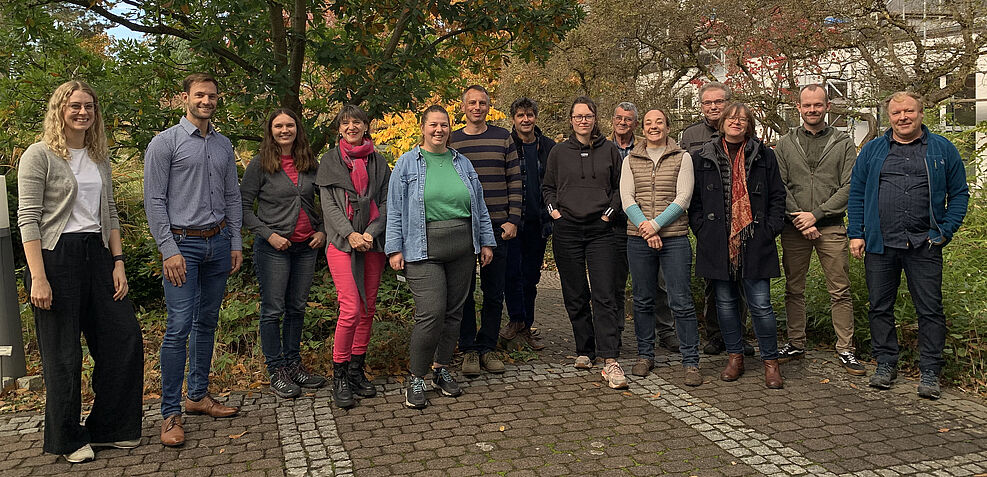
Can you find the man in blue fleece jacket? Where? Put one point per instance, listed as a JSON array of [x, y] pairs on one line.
[[908, 196]]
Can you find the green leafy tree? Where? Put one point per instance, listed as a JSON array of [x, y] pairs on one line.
[[313, 55]]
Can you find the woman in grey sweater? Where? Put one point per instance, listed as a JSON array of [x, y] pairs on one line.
[[289, 235], [76, 279]]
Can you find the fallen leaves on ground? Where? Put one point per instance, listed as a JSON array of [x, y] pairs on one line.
[[627, 393], [944, 429], [237, 436], [824, 381], [655, 395], [503, 428]]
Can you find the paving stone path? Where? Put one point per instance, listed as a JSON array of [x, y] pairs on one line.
[[545, 418]]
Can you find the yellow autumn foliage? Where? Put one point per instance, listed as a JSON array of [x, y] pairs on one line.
[[398, 133]]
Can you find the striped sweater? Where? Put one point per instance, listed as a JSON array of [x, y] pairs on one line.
[[494, 156]]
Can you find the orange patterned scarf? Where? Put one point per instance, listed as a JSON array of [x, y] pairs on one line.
[[741, 219]]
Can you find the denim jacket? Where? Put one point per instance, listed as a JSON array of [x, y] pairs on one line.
[[405, 231]]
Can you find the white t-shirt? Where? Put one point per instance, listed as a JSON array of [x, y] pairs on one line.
[[85, 211]]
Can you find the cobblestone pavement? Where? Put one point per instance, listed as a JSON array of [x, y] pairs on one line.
[[545, 418]]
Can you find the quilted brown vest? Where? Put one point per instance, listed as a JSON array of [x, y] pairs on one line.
[[655, 185]]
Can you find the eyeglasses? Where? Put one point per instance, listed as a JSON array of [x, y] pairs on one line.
[[737, 119], [718, 102], [580, 118], [77, 107], [623, 119]]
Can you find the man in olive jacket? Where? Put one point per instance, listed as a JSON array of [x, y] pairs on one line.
[[815, 162]]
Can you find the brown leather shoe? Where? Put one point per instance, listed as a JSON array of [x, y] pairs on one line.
[[210, 406], [735, 367], [172, 432], [772, 374]]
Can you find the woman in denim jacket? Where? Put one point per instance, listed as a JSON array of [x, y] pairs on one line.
[[437, 223]]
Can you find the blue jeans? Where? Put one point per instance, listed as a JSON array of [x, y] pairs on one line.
[[193, 312], [923, 269], [493, 280], [285, 279], [674, 261], [757, 292], [525, 255]]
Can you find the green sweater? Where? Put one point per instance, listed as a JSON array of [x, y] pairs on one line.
[[820, 185], [446, 196]]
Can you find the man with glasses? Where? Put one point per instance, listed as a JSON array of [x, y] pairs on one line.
[[713, 99], [815, 161]]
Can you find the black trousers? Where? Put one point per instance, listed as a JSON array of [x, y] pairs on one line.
[[80, 272], [577, 248]]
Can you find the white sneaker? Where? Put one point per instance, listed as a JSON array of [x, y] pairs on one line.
[[118, 444], [583, 362], [614, 375], [83, 454]]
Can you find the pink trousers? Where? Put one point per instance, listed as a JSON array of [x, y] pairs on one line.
[[355, 321]]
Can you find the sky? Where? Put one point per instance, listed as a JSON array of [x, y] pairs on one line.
[[122, 33]]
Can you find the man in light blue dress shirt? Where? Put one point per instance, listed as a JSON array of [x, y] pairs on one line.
[[192, 200]]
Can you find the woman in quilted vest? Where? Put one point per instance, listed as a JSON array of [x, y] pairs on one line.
[[656, 182]]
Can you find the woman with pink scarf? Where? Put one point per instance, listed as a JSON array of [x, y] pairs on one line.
[[353, 181]]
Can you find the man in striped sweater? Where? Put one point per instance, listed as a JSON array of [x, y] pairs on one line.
[[494, 156]]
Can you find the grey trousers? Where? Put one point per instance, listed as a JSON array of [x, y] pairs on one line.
[[439, 286]]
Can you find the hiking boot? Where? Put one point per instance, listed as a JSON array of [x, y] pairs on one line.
[[303, 378], [643, 367], [928, 386], [282, 384], [82, 454], [491, 363], [512, 329], [748, 349], [531, 340], [359, 384], [884, 377], [443, 382], [671, 343], [714, 347], [790, 352], [583, 362], [614, 375], [471, 364], [692, 376], [850, 363], [342, 395], [415, 398]]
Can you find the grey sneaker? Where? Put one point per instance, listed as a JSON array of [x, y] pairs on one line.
[[415, 396], [471, 364], [928, 386], [131, 444], [82, 454], [884, 377], [583, 362], [491, 363], [443, 382]]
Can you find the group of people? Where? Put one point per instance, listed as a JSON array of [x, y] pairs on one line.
[[614, 206]]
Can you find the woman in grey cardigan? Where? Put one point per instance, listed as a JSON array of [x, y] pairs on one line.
[[289, 234], [76, 279], [353, 178]]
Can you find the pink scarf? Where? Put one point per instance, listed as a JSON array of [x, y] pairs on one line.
[[355, 158]]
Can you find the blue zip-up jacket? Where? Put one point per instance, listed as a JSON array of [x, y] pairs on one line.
[[948, 191], [405, 231]]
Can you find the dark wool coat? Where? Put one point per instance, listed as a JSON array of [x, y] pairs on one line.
[[707, 213]]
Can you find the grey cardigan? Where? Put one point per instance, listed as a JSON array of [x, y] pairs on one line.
[[46, 191], [335, 183], [278, 200]]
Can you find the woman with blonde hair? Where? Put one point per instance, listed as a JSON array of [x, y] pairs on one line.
[[76, 279]]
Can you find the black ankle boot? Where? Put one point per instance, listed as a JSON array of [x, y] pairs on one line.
[[359, 383], [341, 392]]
